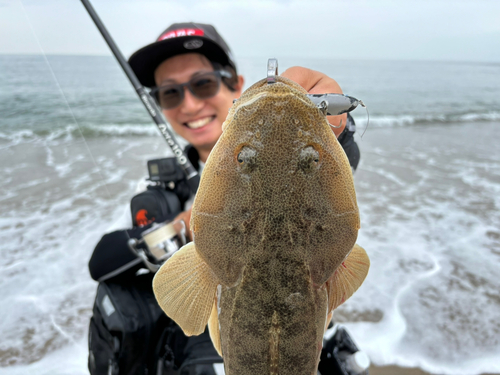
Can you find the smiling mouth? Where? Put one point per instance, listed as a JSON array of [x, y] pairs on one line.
[[199, 123]]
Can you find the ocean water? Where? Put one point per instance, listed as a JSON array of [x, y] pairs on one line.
[[74, 141]]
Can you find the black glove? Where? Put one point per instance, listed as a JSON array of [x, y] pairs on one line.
[[113, 258]]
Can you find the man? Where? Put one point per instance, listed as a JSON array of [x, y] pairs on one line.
[[193, 76]]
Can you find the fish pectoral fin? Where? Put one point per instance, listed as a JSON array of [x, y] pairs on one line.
[[213, 328], [185, 289], [347, 278]]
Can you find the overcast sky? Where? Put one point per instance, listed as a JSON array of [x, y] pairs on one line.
[[462, 30]]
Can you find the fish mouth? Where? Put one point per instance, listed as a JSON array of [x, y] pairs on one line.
[[197, 124]]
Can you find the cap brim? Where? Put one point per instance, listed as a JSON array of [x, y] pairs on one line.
[[145, 61]]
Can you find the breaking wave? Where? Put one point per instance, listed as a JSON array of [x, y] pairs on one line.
[[72, 132], [406, 120]]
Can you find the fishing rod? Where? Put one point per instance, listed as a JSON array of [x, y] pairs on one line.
[[154, 111]]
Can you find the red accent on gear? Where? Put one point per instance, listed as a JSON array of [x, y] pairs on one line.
[[141, 218]]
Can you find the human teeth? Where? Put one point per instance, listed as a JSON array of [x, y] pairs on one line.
[[199, 123]]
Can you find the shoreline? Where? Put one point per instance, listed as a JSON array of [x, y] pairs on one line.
[[397, 370]]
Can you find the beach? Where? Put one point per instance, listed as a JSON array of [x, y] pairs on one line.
[[428, 190], [429, 203], [394, 196]]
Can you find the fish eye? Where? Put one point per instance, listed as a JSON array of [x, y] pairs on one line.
[[309, 159], [247, 157]]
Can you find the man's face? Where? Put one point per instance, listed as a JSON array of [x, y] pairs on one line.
[[199, 121]]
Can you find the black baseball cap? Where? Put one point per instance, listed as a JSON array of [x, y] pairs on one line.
[[178, 39]]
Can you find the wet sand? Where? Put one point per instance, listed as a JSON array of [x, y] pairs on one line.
[[396, 370]]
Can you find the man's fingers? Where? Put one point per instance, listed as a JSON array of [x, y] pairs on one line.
[[315, 82], [186, 217]]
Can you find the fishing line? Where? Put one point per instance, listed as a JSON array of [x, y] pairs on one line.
[[367, 121], [368, 117], [193, 178], [65, 98]]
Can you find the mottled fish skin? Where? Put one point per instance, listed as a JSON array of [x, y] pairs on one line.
[[274, 217]]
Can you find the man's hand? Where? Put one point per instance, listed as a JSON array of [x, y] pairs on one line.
[[318, 83], [186, 217]]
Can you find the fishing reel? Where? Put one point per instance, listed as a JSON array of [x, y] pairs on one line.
[[159, 243], [158, 205]]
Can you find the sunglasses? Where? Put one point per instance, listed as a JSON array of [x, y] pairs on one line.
[[203, 86]]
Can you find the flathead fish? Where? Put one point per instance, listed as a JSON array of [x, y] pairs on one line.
[[275, 222]]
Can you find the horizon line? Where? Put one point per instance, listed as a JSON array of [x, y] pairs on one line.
[[483, 62]]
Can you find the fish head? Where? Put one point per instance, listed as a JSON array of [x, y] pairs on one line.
[[277, 173]]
